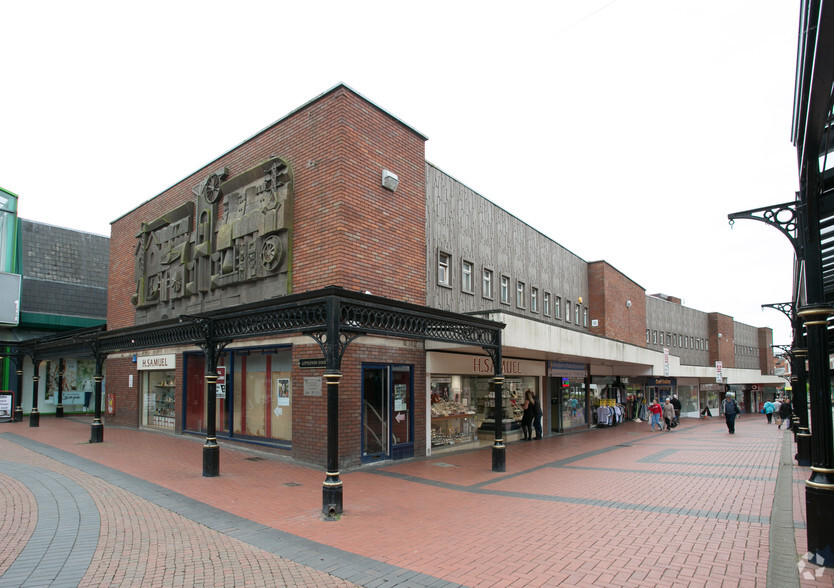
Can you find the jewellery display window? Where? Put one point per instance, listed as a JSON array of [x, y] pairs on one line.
[[159, 399]]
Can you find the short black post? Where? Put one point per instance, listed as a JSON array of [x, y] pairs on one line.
[[331, 502]]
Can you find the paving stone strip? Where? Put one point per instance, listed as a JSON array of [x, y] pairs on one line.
[[350, 567], [65, 538]]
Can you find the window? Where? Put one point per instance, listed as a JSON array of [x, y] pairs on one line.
[[648, 336], [443, 260], [661, 338], [486, 284], [546, 304], [654, 337], [686, 342], [505, 289], [557, 308], [576, 314], [669, 339], [534, 299], [585, 316], [466, 276], [519, 294], [567, 311]]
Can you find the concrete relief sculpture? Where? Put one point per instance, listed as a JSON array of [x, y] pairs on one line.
[[230, 246]]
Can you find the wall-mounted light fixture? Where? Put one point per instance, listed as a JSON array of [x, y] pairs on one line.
[[580, 299], [628, 303], [390, 180]]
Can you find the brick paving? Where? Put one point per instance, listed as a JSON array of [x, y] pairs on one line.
[[620, 506]]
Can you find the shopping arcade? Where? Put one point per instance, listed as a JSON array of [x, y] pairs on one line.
[[333, 317], [808, 222]]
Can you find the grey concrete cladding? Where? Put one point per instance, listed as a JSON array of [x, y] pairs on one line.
[[64, 271], [467, 227]]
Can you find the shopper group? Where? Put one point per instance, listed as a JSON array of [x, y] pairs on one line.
[[781, 407], [531, 418]]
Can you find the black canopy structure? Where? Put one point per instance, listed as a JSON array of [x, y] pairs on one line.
[[808, 221], [333, 317]]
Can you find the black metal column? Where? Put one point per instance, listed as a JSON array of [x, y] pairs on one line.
[[97, 428], [802, 434], [211, 450], [819, 488], [35, 416], [59, 408], [499, 449], [18, 409], [332, 488]]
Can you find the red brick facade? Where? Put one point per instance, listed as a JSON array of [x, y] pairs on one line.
[[348, 231], [617, 304], [722, 348]]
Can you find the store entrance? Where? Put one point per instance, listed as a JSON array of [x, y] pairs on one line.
[[387, 412]]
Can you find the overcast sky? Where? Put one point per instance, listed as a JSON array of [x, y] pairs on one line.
[[625, 130]]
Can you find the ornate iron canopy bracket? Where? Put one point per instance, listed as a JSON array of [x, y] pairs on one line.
[[784, 217]]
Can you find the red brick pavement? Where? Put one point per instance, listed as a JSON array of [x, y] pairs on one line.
[[572, 510]]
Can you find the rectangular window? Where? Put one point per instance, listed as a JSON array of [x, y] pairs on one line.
[[466, 276], [519, 295], [576, 314], [534, 299], [661, 338], [585, 316], [686, 342], [648, 336], [443, 261], [486, 284], [654, 337], [505, 290], [567, 311], [557, 308], [546, 304], [669, 338]]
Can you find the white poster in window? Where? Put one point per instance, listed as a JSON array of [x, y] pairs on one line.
[[220, 391], [283, 387], [400, 400]]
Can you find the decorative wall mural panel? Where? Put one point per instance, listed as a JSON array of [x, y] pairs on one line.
[[231, 245]]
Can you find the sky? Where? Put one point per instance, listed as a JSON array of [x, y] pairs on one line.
[[625, 130]]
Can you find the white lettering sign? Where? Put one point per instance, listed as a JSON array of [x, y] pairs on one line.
[[157, 362]]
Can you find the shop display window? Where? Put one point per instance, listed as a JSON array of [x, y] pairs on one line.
[[159, 399], [262, 394]]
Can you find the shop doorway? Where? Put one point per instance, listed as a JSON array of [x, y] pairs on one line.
[[387, 412]]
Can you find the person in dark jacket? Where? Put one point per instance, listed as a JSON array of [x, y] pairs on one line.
[[677, 404], [528, 415], [730, 412], [785, 412]]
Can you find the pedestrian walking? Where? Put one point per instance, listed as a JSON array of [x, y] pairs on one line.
[[677, 405], [767, 409], [537, 417], [785, 411], [669, 414], [655, 409], [730, 412]]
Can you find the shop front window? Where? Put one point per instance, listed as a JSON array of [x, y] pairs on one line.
[[261, 394], [158, 396]]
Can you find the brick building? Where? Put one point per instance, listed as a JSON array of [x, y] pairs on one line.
[[338, 193]]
